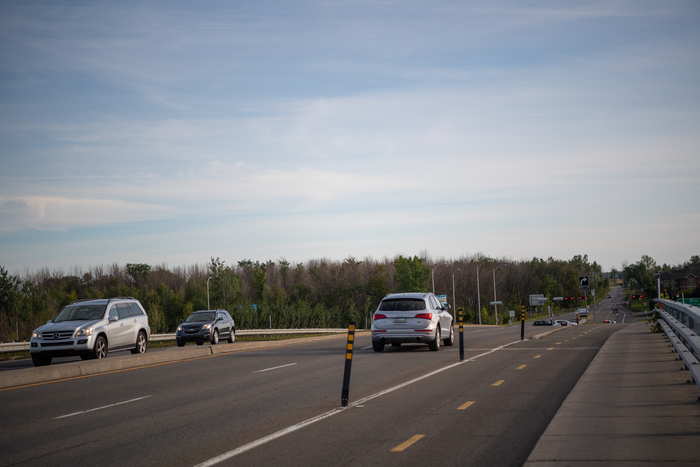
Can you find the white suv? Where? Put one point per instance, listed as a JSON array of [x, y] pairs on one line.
[[91, 328]]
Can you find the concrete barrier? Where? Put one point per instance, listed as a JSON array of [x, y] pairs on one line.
[[28, 376]]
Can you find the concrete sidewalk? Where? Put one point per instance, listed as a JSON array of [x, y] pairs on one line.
[[632, 406]]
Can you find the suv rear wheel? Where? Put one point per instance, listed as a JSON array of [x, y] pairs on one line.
[[378, 346], [141, 343]]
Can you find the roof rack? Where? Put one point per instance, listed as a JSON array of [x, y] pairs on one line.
[[82, 300], [119, 298]]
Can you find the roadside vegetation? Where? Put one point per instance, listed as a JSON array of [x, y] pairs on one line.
[[319, 293]]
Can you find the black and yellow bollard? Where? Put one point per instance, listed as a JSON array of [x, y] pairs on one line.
[[348, 365], [461, 333], [522, 324]]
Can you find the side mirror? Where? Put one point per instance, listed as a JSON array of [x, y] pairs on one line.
[[184, 320], [113, 319]]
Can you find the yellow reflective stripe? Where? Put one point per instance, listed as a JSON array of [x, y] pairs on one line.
[[406, 444]]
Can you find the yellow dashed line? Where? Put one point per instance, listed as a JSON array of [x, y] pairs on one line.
[[551, 348], [406, 444], [499, 382], [537, 356], [464, 406], [521, 367]]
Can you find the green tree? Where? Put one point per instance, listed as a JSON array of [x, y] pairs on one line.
[[411, 275]]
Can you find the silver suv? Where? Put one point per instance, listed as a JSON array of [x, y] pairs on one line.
[[404, 318], [91, 328]]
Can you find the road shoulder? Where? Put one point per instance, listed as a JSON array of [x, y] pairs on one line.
[[632, 405]]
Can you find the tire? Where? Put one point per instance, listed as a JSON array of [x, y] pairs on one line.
[[215, 337], [435, 344], [38, 360], [141, 343], [396, 344], [450, 341], [180, 344], [200, 343], [100, 349], [378, 346], [232, 337]]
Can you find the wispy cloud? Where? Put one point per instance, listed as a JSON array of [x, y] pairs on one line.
[[61, 213]]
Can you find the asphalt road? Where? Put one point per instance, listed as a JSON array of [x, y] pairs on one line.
[[277, 407]]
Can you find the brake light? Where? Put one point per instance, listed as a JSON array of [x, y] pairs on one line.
[[424, 315], [379, 316]]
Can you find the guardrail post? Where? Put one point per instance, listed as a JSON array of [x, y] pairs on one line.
[[348, 365], [461, 334]]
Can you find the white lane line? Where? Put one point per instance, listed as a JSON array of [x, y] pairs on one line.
[[365, 348], [274, 368], [318, 418], [103, 407]]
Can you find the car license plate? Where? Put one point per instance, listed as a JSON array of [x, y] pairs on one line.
[[400, 320]]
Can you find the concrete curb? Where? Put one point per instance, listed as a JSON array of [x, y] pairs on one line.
[[28, 376]]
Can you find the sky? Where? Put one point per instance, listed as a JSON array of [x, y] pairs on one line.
[[173, 132]]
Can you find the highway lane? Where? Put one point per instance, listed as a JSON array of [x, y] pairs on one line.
[[188, 412]]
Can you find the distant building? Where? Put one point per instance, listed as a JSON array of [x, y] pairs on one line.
[[684, 279]]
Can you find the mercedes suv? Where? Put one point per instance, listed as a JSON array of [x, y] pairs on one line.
[[91, 329], [411, 318]]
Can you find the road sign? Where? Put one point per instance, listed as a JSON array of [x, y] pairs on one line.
[[583, 283], [534, 299]]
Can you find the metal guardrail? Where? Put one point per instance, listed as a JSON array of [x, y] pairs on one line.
[[22, 346], [681, 325]]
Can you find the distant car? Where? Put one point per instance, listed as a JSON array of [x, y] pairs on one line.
[[411, 318], [206, 326], [91, 329], [542, 322], [609, 295], [572, 323], [561, 322], [608, 321]]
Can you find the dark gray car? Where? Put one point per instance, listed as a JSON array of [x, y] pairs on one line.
[[206, 326]]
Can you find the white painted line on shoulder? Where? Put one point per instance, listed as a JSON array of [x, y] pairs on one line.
[[318, 418], [274, 368], [103, 407]]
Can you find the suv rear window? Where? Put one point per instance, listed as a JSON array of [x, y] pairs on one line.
[[402, 304]]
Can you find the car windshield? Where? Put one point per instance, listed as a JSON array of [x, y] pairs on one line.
[[402, 304], [80, 313], [201, 317]]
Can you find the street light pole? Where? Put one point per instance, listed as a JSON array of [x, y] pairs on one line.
[[495, 307], [432, 274], [478, 291], [454, 302], [208, 307]]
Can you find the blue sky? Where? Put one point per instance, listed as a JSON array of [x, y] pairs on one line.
[[171, 132]]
